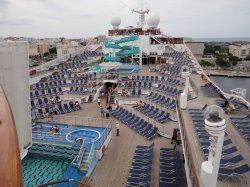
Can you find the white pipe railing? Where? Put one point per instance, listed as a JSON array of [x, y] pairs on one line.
[[80, 154], [91, 154]]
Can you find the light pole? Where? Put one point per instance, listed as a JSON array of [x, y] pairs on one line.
[[183, 99], [144, 28], [215, 126]]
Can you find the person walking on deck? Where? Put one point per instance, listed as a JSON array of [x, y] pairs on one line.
[[99, 101], [174, 136], [117, 126]]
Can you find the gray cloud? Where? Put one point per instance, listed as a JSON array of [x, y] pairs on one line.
[[4, 3], [83, 18], [16, 22]]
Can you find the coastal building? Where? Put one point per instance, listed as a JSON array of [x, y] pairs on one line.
[[209, 58], [240, 51], [14, 79], [36, 49], [67, 47], [197, 49]]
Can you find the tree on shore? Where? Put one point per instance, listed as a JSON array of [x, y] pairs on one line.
[[222, 61]]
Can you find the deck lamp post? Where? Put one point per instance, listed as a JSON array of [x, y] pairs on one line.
[[184, 95], [215, 126]]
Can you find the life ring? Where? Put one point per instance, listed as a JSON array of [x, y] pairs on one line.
[[103, 148]]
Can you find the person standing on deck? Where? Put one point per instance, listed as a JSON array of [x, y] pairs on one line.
[[99, 101], [117, 126], [174, 136]]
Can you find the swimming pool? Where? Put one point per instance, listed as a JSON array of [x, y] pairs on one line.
[[68, 134], [124, 68], [39, 170], [88, 135]]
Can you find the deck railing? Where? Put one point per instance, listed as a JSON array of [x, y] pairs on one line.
[[80, 121], [191, 171], [80, 155], [66, 183], [91, 154]]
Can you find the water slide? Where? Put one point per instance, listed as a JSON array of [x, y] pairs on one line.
[[125, 50]]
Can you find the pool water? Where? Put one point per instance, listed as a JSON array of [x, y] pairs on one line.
[[88, 135], [38, 170]]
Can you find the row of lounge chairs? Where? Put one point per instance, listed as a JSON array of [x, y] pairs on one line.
[[210, 90], [156, 79], [56, 77], [230, 158], [58, 109], [237, 106], [45, 93], [162, 100], [73, 65], [174, 54], [242, 124], [145, 85], [40, 102], [140, 171], [169, 167], [77, 90], [51, 84], [136, 93], [78, 82], [159, 115], [168, 90], [142, 127]]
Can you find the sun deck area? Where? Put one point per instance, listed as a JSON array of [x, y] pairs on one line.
[[147, 107], [233, 137]]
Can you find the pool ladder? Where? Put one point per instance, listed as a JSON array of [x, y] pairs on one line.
[[78, 160]]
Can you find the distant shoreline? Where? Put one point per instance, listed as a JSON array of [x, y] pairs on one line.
[[227, 39], [230, 74]]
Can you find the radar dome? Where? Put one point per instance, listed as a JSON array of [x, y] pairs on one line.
[[115, 21], [153, 20]]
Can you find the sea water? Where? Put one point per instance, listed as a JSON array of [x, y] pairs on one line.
[[227, 83]]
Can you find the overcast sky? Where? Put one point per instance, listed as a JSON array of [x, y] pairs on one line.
[[84, 18]]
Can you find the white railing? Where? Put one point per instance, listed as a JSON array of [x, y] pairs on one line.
[[80, 121], [91, 154], [80, 154]]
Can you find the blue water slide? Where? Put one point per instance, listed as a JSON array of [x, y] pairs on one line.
[[124, 50]]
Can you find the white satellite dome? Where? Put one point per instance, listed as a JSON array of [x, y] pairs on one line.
[[153, 20], [115, 21]]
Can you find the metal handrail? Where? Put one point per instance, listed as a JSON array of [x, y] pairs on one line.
[[187, 142], [80, 154], [64, 181], [92, 152]]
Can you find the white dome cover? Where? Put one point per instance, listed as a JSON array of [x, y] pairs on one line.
[[153, 20], [115, 21]]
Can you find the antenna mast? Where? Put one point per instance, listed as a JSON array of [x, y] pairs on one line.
[[141, 13]]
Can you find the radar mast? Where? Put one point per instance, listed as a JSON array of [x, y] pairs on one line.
[[141, 13]]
